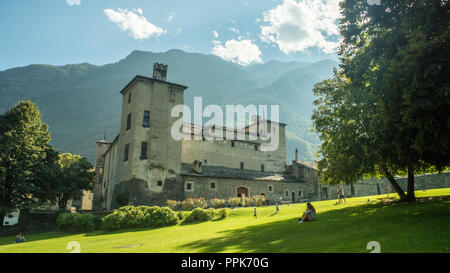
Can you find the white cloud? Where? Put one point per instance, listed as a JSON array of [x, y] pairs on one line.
[[243, 52], [171, 16], [134, 22], [73, 2], [216, 35], [297, 26], [233, 29]]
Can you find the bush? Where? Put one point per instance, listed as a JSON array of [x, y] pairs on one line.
[[257, 200], [245, 201], [234, 202], [142, 216], [172, 204], [223, 213], [199, 214], [182, 215], [192, 203], [217, 203], [78, 222]]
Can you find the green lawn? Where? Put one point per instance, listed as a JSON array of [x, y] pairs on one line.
[[398, 227]]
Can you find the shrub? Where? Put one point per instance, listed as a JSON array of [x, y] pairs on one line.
[[172, 204], [142, 216], [217, 203], [245, 201], [78, 222], [223, 213], [199, 214], [192, 203], [257, 200], [182, 215], [234, 202]]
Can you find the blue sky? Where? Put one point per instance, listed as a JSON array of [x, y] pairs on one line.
[[60, 32]]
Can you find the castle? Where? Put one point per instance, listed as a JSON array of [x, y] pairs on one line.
[[145, 165]]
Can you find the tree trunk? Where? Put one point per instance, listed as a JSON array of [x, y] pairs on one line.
[[411, 197], [397, 188], [62, 203]]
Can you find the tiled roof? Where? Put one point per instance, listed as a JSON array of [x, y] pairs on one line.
[[225, 172]]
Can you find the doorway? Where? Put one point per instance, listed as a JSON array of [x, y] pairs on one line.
[[242, 191], [324, 193]]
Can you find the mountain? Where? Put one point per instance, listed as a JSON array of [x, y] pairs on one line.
[[266, 73], [81, 101]]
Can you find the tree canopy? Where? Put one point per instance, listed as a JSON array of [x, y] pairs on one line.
[[386, 111], [25, 158], [74, 174]]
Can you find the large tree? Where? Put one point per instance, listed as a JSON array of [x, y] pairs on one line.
[[75, 174], [26, 159], [386, 111]]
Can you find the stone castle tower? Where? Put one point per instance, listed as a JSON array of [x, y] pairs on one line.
[[145, 160]]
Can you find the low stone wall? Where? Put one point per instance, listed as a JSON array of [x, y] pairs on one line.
[[32, 222], [374, 186], [40, 221]]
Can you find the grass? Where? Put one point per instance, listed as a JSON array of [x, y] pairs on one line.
[[398, 227]]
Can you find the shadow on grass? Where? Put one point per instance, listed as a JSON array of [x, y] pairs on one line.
[[34, 237], [344, 230]]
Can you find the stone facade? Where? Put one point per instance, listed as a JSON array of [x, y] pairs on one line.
[[145, 165]]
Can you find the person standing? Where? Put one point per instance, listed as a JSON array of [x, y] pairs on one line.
[[255, 213], [340, 193], [388, 190]]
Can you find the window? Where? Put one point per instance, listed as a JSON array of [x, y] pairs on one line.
[[172, 95], [352, 189], [287, 193], [159, 183], [128, 122], [189, 186], [256, 147], [262, 167], [242, 165], [300, 193], [206, 161], [270, 188], [213, 185], [144, 150], [232, 143], [129, 97], [125, 156], [146, 121]]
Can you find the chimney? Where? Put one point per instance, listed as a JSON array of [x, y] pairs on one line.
[[197, 166], [296, 155], [159, 71]]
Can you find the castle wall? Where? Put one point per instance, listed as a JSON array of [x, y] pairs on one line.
[[225, 188], [374, 186], [222, 153]]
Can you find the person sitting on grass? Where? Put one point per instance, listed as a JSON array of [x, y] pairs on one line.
[[20, 238], [309, 214]]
